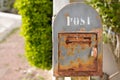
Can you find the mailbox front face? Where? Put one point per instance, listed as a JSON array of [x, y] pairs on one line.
[[77, 52], [77, 41]]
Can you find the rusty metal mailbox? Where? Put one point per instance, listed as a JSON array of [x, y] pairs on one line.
[[77, 41]]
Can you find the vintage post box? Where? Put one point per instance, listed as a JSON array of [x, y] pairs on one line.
[[77, 41]]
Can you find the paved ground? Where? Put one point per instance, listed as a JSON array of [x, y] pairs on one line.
[[11, 52], [8, 22], [13, 65], [109, 64]]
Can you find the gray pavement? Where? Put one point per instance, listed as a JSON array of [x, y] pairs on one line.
[[116, 77], [109, 64], [8, 22], [13, 64]]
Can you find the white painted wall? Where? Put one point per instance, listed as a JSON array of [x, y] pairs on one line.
[[59, 4]]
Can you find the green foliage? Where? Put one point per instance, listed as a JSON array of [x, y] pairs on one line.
[[109, 10], [36, 29]]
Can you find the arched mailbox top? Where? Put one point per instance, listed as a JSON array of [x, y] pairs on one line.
[[77, 41], [77, 16]]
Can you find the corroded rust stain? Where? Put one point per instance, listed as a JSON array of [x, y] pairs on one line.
[[99, 32], [66, 14], [79, 65], [72, 40], [82, 73]]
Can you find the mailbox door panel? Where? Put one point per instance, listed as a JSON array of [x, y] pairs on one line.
[[77, 51]]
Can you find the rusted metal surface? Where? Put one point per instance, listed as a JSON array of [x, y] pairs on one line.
[[77, 52], [77, 41]]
